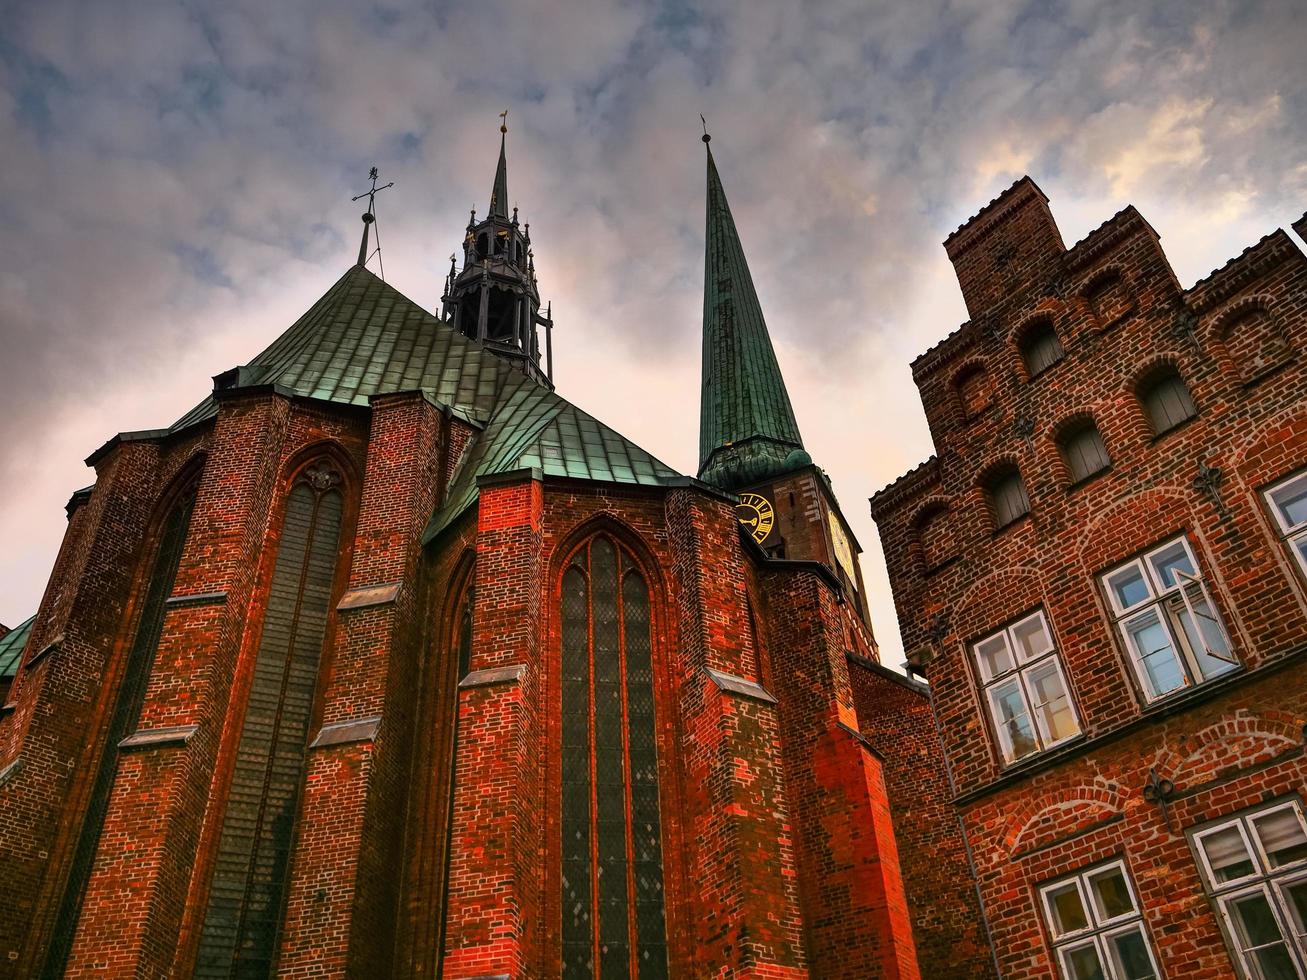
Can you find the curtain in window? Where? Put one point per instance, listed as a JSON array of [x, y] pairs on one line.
[[241, 923], [612, 881], [123, 721]]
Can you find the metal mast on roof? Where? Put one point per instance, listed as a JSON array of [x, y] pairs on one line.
[[370, 218]]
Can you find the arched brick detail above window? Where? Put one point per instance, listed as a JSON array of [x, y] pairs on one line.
[[973, 390], [1110, 298], [1045, 819], [932, 530], [1227, 746], [1038, 345], [1252, 338]]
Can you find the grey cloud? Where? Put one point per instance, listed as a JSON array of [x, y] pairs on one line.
[[185, 170]]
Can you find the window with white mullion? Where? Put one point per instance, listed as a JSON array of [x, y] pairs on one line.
[[1255, 866], [1288, 502], [1096, 926], [1168, 620], [1024, 687]]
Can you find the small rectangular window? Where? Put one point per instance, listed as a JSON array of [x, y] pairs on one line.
[[1096, 926], [1255, 869], [1288, 501], [1167, 620], [1024, 688]]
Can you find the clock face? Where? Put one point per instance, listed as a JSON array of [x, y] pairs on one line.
[[756, 514]]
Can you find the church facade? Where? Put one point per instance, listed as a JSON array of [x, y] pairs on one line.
[[1103, 574], [387, 660]]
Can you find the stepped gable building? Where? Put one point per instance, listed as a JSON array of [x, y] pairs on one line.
[[387, 660], [1103, 574]]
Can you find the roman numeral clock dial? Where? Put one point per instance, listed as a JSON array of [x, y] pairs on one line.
[[756, 514]]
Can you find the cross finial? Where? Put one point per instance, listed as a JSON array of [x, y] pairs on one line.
[[503, 121], [369, 217]]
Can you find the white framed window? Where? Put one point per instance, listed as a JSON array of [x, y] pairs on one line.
[[1255, 869], [1097, 929], [1288, 500], [1167, 620], [1024, 688]]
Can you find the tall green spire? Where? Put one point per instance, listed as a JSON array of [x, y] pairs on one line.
[[747, 430], [499, 193]]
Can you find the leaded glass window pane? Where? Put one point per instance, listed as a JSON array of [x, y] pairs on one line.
[[612, 871], [1095, 923]]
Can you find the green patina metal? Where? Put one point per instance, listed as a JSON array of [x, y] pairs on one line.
[[747, 430], [365, 338], [11, 648], [499, 193]]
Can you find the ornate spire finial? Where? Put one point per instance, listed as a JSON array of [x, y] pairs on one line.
[[706, 137], [503, 121], [369, 218]]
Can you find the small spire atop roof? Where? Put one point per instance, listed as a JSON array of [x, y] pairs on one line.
[[747, 429], [499, 193], [369, 218]]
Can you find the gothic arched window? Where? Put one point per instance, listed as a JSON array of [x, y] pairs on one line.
[[122, 723], [613, 923], [242, 921]]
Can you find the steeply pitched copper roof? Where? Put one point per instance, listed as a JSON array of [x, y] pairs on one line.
[[747, 429], [364, 338]]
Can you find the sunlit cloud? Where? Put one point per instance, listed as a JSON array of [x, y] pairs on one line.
[[180, 177]]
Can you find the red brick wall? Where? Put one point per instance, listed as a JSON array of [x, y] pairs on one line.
[[1255, 433], [895, 715]]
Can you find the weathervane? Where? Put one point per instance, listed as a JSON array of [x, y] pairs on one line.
[[370, 218], [503, 121]]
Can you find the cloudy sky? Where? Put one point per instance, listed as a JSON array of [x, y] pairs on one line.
[[178, 177]]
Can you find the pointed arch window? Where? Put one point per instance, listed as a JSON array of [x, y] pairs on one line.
[[612, 873], [242, 920], [126, 715]]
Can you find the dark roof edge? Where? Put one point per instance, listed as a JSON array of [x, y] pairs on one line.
[[817, 568], [888, 496], [1261, 256], [903, 680], [140, 435], [78, 500], [989, 209]]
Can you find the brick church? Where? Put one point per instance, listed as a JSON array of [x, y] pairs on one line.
[[388, 660], [1102, 572]]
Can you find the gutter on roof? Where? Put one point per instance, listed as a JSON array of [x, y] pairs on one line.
[[78, 500], [142, 435]]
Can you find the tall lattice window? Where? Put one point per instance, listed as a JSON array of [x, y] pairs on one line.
[[241, 924], [126, 715], [612, 872]]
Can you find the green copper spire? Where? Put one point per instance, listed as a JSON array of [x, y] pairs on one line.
[[499, 193], [747, 430]]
